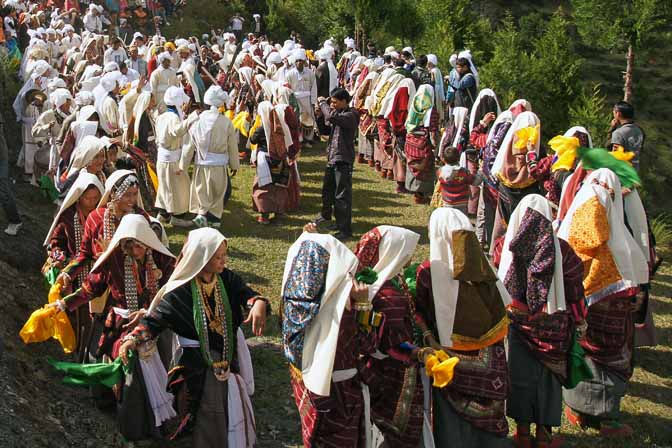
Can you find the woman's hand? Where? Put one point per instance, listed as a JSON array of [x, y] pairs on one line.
[[311, 227], [359, 291], [64, 280], [124, 348], [257, 316], [134, 319]]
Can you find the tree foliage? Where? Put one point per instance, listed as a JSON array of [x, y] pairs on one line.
[[590, 110], [542, 68]]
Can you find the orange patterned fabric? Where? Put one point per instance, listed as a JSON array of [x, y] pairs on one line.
[[588, 236]]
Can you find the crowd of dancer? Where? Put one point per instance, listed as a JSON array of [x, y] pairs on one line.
[[541, 302]]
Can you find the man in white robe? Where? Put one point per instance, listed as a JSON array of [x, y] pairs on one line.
[[172, 197], [162, 78], [214, 141], [301, 80]]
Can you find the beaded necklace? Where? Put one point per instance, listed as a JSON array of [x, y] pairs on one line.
[[133, 285], [219, 320], [77, 224]]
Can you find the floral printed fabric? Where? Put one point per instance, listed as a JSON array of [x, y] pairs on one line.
[[529, 277], [367, 249], [302, 296]]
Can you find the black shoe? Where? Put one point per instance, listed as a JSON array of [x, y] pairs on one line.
[[320, 219], [340, 236]]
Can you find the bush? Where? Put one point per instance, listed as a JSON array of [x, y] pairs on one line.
[[661, 227], [590, 110]]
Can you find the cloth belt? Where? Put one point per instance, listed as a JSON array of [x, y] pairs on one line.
[[187, 343], [167, 156], [338, 376], [302, 94], [213, 159]]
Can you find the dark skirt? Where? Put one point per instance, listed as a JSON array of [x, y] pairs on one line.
[[272, 198], [212, 421], [451, 430], [598, 397], [415, 185], [536, 393]]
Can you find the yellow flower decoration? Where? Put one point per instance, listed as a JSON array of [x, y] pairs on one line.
[[619, 153], [525, 136], [47, 323], [256, 125], [441, 367], [565, 149], [310, 55], [242, 123]]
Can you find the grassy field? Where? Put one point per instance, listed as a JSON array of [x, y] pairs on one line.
[[258, 253]]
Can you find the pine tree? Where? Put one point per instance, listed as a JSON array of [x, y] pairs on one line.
[[622, 25]]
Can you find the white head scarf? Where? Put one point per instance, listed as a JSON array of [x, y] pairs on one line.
[[84, 98], [133, 226], [573, 130], [59, 97], [396, 248], [388, 102], [321, 337], [175, 96], [82, 183], [524, 120], [474, 71], [443, 222], [215, 96], [110, 183], [460, 114], [481, 94], [164, 56], [85, 152], [201, 245], [629, 258], [556, 293], [139, 108]]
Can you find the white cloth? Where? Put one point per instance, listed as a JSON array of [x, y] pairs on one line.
[[396, 249], [136, 227], [199, 248], [483, 93], [156, 382], [627, 255], [85, 152], [524, 120], [406, 83], [83, 181], [573, 130], [319, 348], [555, 300], [263, 169], [460, 114], [443, 222]]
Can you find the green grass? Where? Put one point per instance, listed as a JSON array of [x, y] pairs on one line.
[[258, 253]]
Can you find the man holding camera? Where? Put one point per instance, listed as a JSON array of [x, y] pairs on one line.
[[340, 122]]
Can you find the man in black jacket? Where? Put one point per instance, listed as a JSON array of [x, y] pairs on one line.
[[341, 122]]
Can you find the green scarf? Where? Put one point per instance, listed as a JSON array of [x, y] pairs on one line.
[[106, 374], [422, 103], [595, 158]]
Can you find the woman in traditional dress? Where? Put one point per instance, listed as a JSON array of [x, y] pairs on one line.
[[284, 99], [89, 157], [421, 138], [485, 217], [483, 114], [544, 277], [204, 303], [120, 198], [132, 269], [65, 237], [396, 112], [273, 140], [614, 267], [460, 308], [319, 299], [513, 168], [392, 372], [142, 145], [361, 101]]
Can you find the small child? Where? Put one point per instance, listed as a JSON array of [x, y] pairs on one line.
[[455, 181]]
